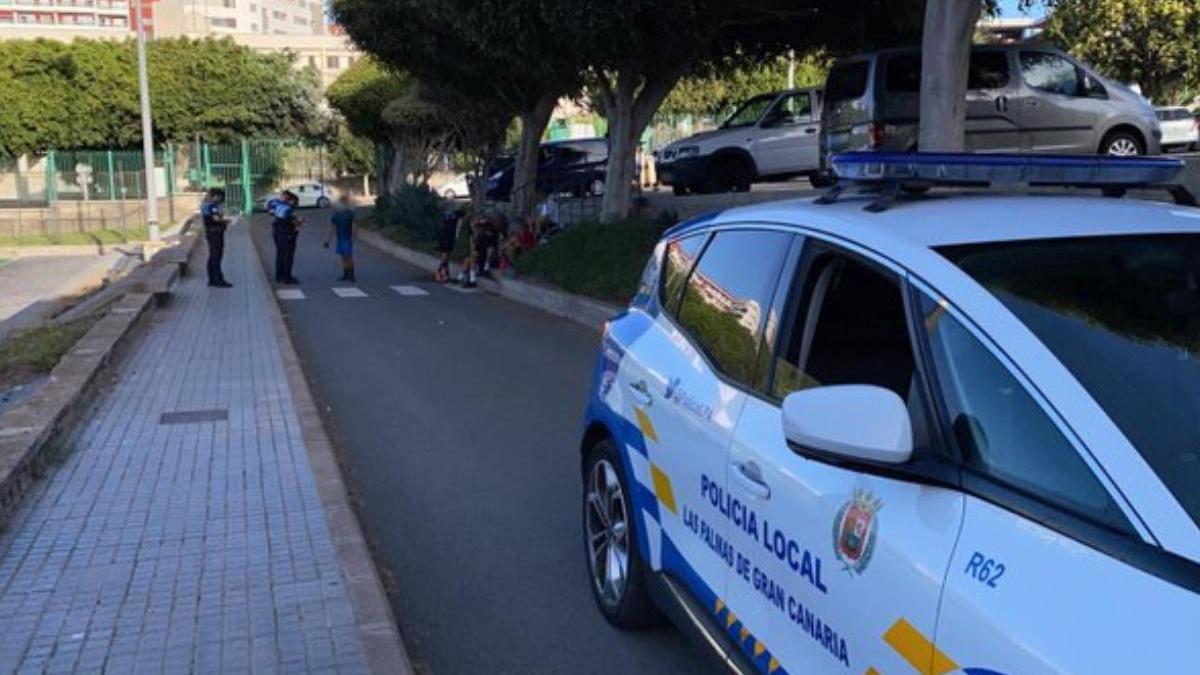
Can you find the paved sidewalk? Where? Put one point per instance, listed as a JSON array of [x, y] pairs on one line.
[[190, 546]]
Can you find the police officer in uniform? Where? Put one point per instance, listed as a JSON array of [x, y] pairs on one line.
[[212, 212], [285, 230]]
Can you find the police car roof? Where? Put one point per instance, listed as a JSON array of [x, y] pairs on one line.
[[965, 218]]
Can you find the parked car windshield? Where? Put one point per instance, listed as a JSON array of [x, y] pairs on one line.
[[1122, 313], [750, 112]]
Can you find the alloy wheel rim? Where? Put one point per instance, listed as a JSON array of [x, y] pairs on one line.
[[1122, 147], [607, 523]]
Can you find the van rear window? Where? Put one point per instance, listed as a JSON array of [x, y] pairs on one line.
[[903, 74], [846, 82]]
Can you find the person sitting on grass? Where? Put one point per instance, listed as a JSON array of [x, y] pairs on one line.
[[342, 229]]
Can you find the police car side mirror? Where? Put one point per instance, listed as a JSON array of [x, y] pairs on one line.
[[852, 422]]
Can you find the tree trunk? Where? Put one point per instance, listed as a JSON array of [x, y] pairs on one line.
[[525, 164], [396, 170], [628, 111], [945, 57]]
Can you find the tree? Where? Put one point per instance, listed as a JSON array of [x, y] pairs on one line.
[[945, 55], [83, 94], [1153, 43], [715, 89], [502, 50], [361, 93], [637, 51]]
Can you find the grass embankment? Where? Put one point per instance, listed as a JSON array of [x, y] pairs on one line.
[[599, 260], [29, 353], [79, 238]]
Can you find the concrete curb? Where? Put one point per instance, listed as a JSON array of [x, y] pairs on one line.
[[590, 313], [31, 427], [376, 627]]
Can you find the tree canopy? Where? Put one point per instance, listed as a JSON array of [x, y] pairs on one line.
[[84, 94], [719, 87], [1153, 43]]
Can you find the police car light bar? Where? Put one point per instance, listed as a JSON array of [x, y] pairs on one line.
[[891, 173]]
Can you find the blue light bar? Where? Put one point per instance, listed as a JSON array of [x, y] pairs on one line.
[[956, 168]]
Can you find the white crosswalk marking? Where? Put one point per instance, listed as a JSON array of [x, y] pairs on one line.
[[410, 290], [348, 292], [290, 294]]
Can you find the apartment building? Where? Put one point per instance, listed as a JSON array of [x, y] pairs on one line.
[[232, 17], [65, 18]]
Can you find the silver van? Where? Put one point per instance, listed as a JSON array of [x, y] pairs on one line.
[[1019, 99]]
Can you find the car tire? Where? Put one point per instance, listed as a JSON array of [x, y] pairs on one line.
[[1122, 144], [730, 174], [610, 541], [322, 202], [680, 190], [449, 195]]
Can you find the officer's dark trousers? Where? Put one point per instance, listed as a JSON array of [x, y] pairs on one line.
[[285, 251], [215, 237]]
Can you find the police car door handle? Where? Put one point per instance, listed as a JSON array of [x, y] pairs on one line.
[[750, 477], [641, 392]]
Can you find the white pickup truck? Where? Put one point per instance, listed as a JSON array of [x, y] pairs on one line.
[[771, 136]]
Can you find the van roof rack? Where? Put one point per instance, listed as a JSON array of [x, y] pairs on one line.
[[890, 175]]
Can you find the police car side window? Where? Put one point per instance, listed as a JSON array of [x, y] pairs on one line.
[[850, 327], [1001, 431], [677, 264], [728, 295]]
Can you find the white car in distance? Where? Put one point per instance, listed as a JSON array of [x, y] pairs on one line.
[[1179, 129]]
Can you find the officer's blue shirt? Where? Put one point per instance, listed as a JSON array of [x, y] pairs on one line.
[[211, 212], [280, 209]]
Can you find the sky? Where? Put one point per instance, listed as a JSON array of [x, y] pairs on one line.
[[1009, 8]]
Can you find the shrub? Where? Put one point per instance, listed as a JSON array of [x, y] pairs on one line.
[[415, 209]]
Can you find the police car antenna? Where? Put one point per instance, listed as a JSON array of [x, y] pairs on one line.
[[889, 175]]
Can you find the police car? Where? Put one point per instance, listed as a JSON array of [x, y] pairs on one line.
[[949, 433]]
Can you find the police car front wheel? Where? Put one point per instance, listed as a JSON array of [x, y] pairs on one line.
[[610, 542]]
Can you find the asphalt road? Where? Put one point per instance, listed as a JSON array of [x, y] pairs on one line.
[[457, 416]]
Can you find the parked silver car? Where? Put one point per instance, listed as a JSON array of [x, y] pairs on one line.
[[1019, 99]]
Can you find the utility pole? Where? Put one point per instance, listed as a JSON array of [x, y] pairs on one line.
[[147, 127]]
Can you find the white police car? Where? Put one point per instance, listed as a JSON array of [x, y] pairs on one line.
[[950, 434]]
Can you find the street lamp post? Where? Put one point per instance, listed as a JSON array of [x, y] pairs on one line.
[[147, 126]]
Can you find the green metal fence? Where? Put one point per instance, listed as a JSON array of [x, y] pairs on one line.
[[247, 170]]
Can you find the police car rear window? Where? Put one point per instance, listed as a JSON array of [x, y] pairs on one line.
[[1122, 313]]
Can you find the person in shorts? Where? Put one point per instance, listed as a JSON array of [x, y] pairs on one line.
[[342, 230]]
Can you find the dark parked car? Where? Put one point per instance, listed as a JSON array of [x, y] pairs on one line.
[[575, 167]]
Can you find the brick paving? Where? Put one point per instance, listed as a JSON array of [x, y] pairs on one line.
[[190, 547]]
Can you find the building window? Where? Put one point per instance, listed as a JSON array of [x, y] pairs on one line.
[[230, 4], [333, 62], [253, 7], [300, 21], [312, 62], [253, 28], [279, 15], [349, 61], [222, 22]]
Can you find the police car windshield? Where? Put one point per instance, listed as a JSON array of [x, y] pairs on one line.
[[1122, 313], [750, 112]]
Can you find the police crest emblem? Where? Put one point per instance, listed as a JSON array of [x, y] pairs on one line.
[[854, 530]]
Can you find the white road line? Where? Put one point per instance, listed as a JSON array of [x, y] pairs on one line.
[[410, 290], [457, 288], [348, 292], [290, 294]]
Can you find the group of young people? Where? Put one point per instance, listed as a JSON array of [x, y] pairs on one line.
[[491, 243], [285, 232]]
